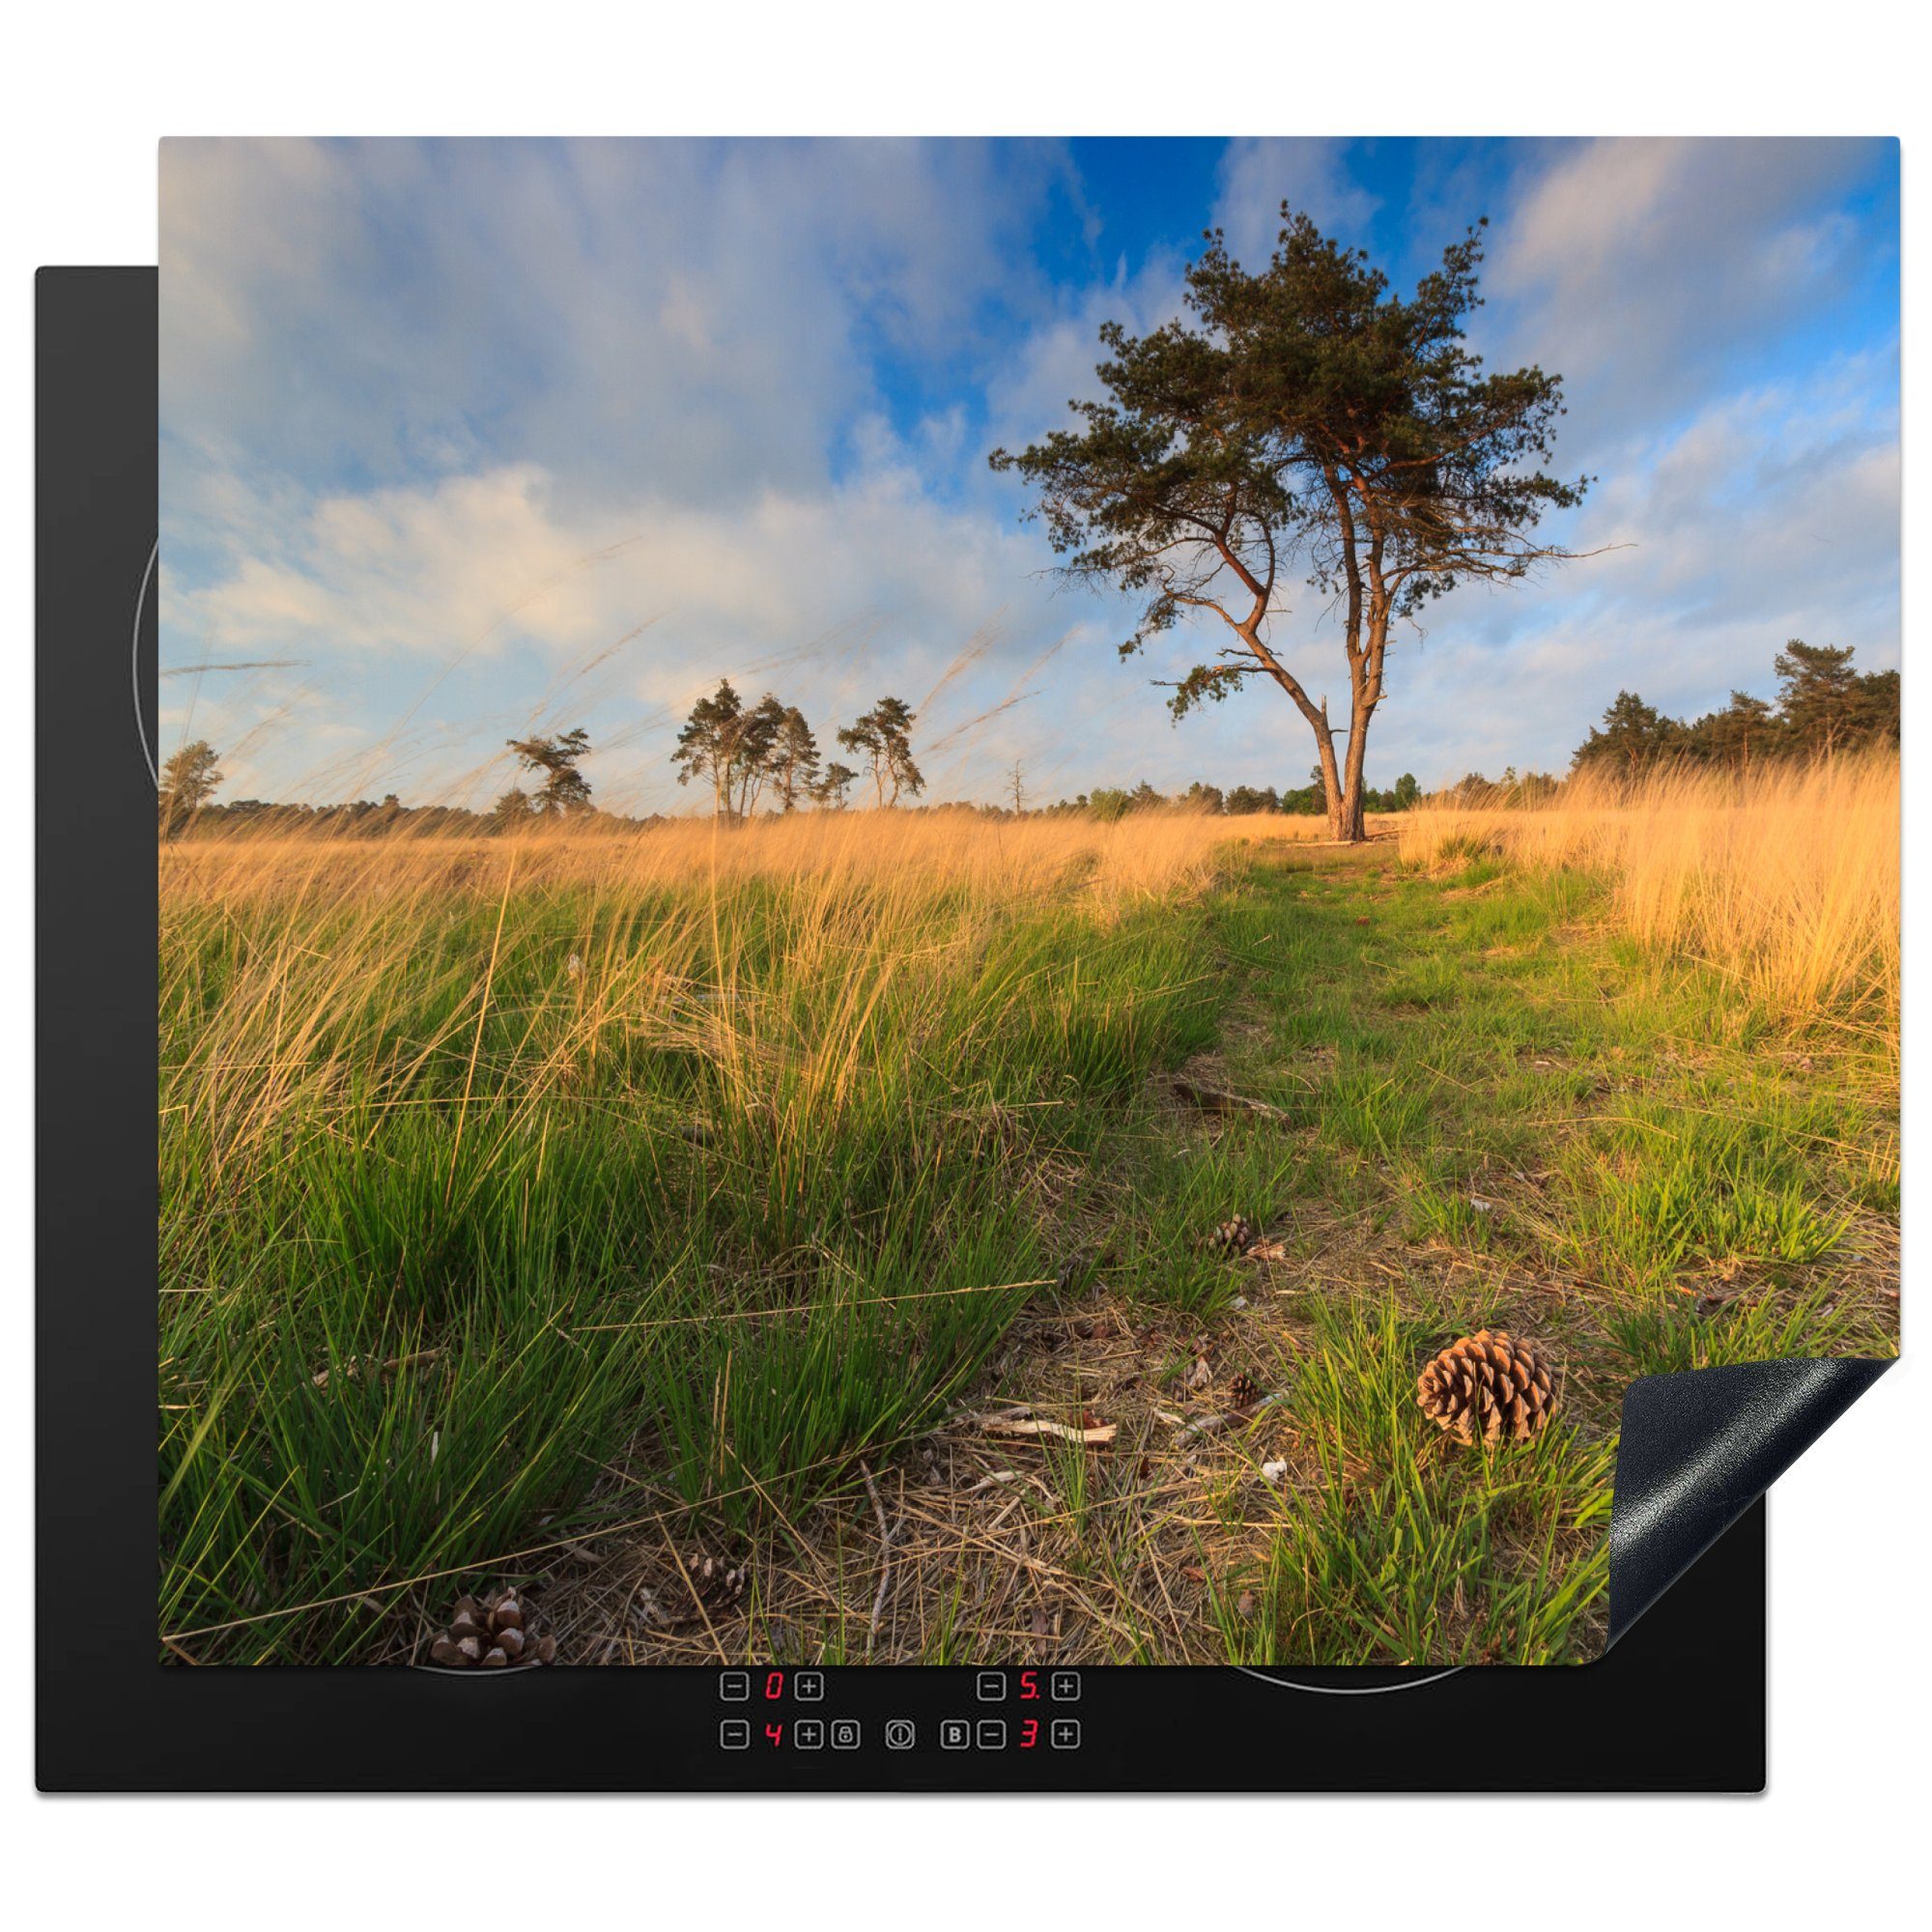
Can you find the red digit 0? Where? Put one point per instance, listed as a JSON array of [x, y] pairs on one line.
[[775, 1686]]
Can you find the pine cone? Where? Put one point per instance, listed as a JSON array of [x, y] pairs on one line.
[[714, 1580], [497, 1633], [1232, 1237], [1244, 1390], [1490, 1384]]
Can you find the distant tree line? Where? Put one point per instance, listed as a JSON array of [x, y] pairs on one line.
[[767, 755], [765, 751], [1823, 707], [191, 777], [1309, 801]]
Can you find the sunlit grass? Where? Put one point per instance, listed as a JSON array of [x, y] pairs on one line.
[[1786, 880], [515, 1191], [480, 1157]]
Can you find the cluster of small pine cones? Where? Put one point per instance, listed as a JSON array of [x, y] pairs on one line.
[[492, 1633], [1232, 1237], [713, 1580]]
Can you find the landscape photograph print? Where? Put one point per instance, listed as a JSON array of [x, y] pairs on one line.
[[1005, 901]]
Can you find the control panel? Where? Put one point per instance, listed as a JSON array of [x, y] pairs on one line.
[[1676, 1705], [790, 1710]]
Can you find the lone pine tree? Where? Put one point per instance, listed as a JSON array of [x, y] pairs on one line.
[[1306, 419], [564, 788]]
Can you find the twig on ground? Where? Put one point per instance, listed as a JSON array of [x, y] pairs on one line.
[[1212, 1425], [353, 1368], [1064, 1431], [886, 1562], [1215, 1100]]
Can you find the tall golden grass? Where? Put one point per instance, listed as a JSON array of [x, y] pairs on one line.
[[1114, 863], [802, 958], [1786, 881]]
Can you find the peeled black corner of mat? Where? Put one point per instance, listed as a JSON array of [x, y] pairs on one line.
[[1698, 1448]]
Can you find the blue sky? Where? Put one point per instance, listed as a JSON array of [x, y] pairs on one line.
[[462, 439]]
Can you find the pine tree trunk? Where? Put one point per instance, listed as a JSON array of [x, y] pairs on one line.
[[1334, 785], [1331, 783], [1350, 822]]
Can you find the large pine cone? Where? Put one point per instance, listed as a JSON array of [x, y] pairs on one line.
[[1489, 1385], [497, 1633]]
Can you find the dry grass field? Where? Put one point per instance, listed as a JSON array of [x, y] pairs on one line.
[[793, 1242], [1786, 881]]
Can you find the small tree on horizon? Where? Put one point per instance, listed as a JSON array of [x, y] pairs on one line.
[[1315, 422], [752, 752], [831, 789], [707, 746], [1747, 727], [793, 760], [884, 735], [1880, 716], [188, 781], [513, 810], [565, 789], [1827, 706], [1817, 692]]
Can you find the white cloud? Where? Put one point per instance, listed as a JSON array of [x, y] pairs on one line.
[[688, 315], [1647, 272], [470, 562], [1053, 364], [831, 595], [1311, 175]]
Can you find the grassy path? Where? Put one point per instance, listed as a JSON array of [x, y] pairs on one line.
[[1485, 1110]]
